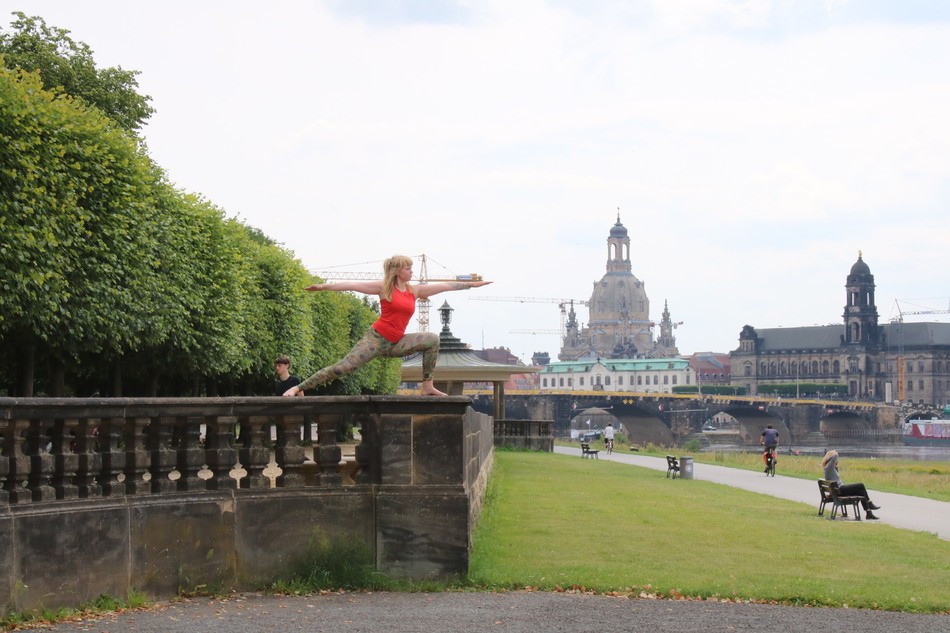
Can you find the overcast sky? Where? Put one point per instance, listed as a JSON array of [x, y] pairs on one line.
[[753, 148]]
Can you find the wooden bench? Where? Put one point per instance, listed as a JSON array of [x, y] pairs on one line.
[[829, 494], [672, 467], [587, 452]]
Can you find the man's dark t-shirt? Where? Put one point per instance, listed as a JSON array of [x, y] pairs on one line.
[[770, 437], [280, 386]]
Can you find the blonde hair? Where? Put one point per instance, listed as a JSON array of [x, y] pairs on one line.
[[830, 455], [391, 268]]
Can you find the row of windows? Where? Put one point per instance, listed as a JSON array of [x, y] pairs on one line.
[[823, 368], [938, 366], [560, 382], [939, 385], [792, 369]]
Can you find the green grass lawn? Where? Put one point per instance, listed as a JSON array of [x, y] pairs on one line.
[[556, 522]]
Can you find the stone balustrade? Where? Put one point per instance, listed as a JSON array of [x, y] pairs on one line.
[[107, 495], [535, 435]]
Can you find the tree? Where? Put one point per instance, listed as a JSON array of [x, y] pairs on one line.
[[69, 66], [74, 190]]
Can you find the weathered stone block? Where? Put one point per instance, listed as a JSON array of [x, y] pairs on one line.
[[6, 558], [439, 439], [182, 545], [422, 533], [395, 449], [69, 553], [275, 528]]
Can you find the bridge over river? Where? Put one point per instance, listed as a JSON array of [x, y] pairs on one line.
[[667, 419]]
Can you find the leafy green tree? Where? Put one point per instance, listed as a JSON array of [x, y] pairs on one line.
[[277, 316], [74, 189], [198, 297], [69, 66]]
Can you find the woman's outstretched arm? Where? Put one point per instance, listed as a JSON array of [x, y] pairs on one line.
[[427, 290], [366, 287]]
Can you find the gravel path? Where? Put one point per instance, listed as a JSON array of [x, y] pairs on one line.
[[471, 612]]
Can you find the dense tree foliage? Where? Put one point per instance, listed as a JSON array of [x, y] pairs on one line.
[[114, 282], [68, 66]]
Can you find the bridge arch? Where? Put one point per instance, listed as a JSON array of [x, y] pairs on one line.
[[752, 421], [642, 423], [841, 423]]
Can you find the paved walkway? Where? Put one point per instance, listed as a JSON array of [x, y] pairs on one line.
[[529, 612], [479, 612], [911, 513]]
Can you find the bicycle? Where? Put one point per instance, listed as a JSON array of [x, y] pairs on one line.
[[770, 461], [609, 445]]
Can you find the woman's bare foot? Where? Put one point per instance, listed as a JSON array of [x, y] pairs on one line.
[[428, 389]]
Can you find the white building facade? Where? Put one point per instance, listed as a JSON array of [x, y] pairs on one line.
[[644, 375]]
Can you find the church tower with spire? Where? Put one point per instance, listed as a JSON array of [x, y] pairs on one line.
[[619, 324], [860, 312]]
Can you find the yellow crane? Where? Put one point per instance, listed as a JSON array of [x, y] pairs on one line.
[[422, 304]]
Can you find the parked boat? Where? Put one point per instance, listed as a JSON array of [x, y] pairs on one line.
[[932, 432]]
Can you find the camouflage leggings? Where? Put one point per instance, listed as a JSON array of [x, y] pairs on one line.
[[372, 345]]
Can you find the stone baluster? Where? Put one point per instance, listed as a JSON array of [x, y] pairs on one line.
[[65, 461], [219, 451], [253, 453], [288, 453], [327, 453], [107, 438], [18, 462], [41, 462], [163, 456], [138, 456], [88, 457], [190, 454], [5, 448], [366, 449]]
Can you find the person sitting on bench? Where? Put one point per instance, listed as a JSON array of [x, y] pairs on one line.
[[830, 464]]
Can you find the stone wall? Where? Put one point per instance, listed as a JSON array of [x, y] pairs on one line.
[[107, 496]]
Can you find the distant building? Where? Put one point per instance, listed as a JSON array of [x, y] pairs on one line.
[[620, 324], [652, 375], [540, 359], [500, 355], [711, 368], [503, 356], [909, 361]]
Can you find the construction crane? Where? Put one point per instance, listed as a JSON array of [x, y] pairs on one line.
[[899, 321], [562, 304], [422, 304]]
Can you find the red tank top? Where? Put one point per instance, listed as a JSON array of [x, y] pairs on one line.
[[395, 316]]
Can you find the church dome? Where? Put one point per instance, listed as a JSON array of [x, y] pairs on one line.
[[860, 268], [618, 229], [619, 297]]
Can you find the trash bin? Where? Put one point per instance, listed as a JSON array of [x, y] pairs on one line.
[[686, 467]]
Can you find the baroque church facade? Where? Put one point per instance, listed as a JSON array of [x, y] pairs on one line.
[[619, 326], [875, 361]]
